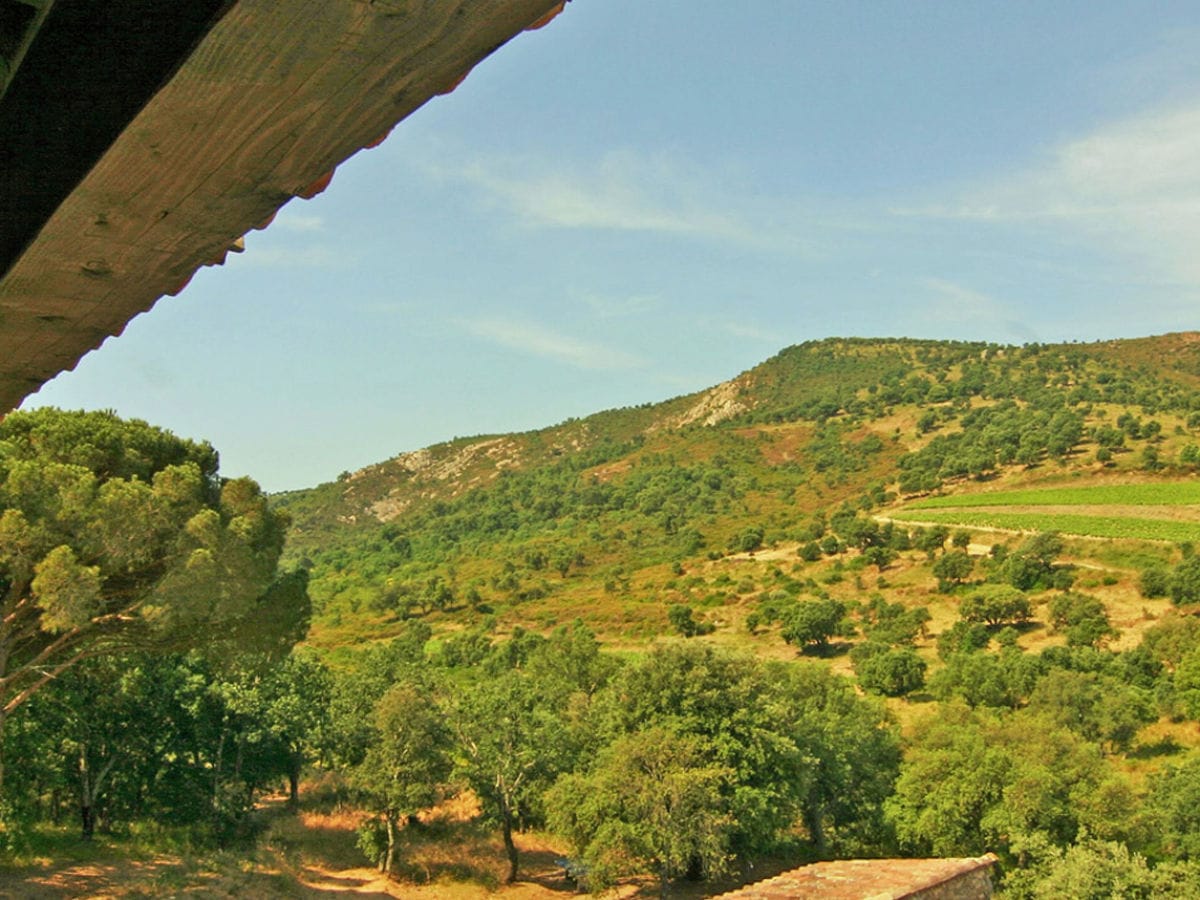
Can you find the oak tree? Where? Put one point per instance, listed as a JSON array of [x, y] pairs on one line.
[[116, 535]]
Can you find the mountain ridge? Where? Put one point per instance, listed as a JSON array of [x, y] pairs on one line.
[[579, 517], [457, 459]]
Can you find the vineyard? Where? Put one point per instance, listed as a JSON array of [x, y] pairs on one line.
[[1150, 512], [1171, 493], [1084, 526]]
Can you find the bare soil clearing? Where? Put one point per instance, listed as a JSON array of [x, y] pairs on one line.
[[311, 854]]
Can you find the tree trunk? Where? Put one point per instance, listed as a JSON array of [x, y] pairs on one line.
[[216, 770], [89, 790], [294, 787], [816, 828], [87, 821], [509, 847], [237, 761], [662, 881], [390, 857], [3, 718]]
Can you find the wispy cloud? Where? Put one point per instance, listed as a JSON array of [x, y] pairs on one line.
[[290, 220], [632, 192], [1133, 184], [538, 340], [623, 193], [300, 241]]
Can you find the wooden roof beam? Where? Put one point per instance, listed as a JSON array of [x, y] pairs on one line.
[[274, 97]]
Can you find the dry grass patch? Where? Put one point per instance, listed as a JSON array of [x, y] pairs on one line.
[[312, 837], [1159, 745], [448, 854]]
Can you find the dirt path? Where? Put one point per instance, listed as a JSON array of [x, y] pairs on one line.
[[311, 855], [90, 879]]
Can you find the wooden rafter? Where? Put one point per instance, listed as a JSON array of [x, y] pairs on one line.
[[273, 98]]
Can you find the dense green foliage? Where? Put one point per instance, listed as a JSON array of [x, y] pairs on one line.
[[168, 738], [118, 537], [975, 781], [116, 534], [684, 758]]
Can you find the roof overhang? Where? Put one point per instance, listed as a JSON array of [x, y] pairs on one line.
[[140, 145]]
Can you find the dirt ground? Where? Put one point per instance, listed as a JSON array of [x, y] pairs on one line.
[[307, 854], [311, 854]]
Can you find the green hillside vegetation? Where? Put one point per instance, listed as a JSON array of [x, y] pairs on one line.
[[772, 516], [618, 516], [870, 597]]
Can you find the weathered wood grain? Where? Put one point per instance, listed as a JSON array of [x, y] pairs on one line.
[[277, 95]]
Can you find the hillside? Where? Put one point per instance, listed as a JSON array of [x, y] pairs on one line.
[[617, 516], [524, 647]]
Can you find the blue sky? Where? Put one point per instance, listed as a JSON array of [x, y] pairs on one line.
[[645, 199]]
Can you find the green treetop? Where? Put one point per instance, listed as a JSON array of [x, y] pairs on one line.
[[117, 535]]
